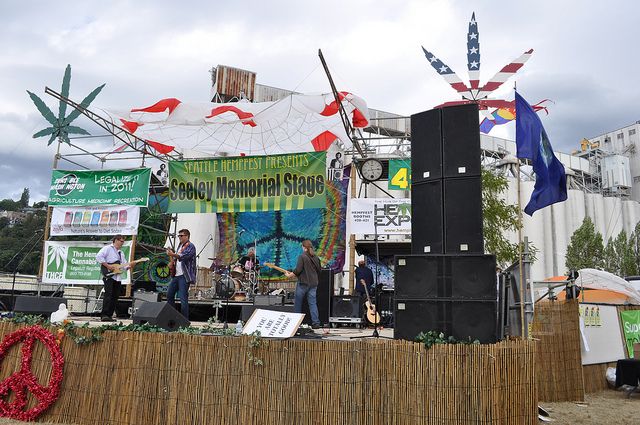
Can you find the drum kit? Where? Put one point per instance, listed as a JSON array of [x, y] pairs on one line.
[[233, 281]]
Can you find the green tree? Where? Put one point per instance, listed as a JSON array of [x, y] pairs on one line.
[[24, 198], [619, 256], [498, 218], [585, 248]]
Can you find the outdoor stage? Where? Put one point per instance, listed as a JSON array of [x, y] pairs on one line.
[[176, 378]]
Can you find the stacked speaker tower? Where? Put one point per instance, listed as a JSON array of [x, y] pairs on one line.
[[447, 284]]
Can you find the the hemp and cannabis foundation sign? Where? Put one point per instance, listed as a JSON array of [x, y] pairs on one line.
[[75, 262], [100, 187], [248, 183]]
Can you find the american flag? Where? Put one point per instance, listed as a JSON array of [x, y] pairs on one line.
[[448, 74]]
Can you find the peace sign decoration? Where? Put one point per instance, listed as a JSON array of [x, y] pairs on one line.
[[24, 381]]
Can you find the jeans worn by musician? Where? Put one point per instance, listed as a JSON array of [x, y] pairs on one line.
[[111, 254], [185, 276]]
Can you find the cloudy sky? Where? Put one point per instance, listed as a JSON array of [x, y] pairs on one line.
[[584, 59]]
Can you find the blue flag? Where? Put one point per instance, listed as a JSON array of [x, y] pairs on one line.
[[533, 144]]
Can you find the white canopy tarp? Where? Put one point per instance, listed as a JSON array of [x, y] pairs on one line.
[[598, 279], [297, 123]]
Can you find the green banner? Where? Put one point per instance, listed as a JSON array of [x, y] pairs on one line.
[[399, 174], [631, 328], [100, 187], [248, 183], [75, 262]]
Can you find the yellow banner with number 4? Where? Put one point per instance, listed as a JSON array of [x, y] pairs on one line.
[[399, 174]]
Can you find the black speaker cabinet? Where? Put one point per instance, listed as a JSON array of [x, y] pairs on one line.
[[346, 306], [445, 143], [38, 306], [323, 295], [461, 277], [474, 320], [447, 216], [426, 146], [460, 141], [159, 314]]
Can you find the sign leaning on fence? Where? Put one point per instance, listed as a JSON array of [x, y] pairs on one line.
[[248, 183], [631, 328], [384, 216], [75, 262], [112, 220], [100, 187]]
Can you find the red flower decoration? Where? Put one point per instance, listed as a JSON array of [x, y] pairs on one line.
[[23, 380]]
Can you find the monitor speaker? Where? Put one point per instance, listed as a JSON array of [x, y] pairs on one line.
[[346, 306], [160, 314], [464, 320], [461, 277], [38, 306]]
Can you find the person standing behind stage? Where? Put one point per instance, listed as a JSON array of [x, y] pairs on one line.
[[107, 257], [363, 274], [307, 270], [185, 266]]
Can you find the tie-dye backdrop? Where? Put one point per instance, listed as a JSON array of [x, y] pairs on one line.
[[279, 234]]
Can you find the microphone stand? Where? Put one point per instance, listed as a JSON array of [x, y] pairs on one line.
[[15, 269], [205, 245]]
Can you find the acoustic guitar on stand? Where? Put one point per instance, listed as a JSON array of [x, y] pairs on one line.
[[119, 268], [372, 314]]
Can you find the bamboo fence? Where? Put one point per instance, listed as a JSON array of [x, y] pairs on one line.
[[558, 358], [162, 378]]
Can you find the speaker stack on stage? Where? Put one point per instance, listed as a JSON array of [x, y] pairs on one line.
[[447, 284]]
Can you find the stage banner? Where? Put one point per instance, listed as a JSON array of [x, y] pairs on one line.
[[95, 221], [399, 174], [384, 216], [100, 187], [75, 262], [248, 183], [631, 328]]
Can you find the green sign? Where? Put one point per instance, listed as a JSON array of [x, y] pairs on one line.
[[75, 262], [631, 328], [399, 174], [248, 183], [100, 187]]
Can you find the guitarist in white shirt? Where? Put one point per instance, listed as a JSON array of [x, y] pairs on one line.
[[108, 256]]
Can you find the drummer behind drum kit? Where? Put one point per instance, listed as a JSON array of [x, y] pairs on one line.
[[233, 282]]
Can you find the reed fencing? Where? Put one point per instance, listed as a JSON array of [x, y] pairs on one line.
[[161, 378], [556, 328]]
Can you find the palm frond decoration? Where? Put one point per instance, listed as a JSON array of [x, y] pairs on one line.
[[60, 126]]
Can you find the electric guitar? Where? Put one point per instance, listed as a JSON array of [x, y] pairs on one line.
[[273, 266], [119, 268], [372, 314]]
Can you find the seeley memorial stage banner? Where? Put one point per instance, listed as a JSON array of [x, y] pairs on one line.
[[248, 183]]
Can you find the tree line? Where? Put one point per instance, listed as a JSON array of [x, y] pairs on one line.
[[23, 239], [620, 255]]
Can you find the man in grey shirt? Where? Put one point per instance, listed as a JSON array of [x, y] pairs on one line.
[[307, 270]]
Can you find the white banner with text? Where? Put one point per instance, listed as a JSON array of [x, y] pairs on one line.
[[116, 220], [382, 216]]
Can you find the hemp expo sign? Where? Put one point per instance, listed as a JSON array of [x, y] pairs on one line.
[[75, 262], [248, 183], [100, 187]]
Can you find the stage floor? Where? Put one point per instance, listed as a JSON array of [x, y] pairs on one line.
[[339, 333]]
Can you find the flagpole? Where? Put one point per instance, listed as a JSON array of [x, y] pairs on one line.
[[522, 295]]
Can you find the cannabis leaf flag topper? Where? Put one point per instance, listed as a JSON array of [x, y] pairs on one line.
[[60, 126]]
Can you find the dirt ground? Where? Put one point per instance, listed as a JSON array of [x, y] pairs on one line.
[[607, 407]]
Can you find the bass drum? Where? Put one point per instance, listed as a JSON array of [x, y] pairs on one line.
[[225, 287]]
